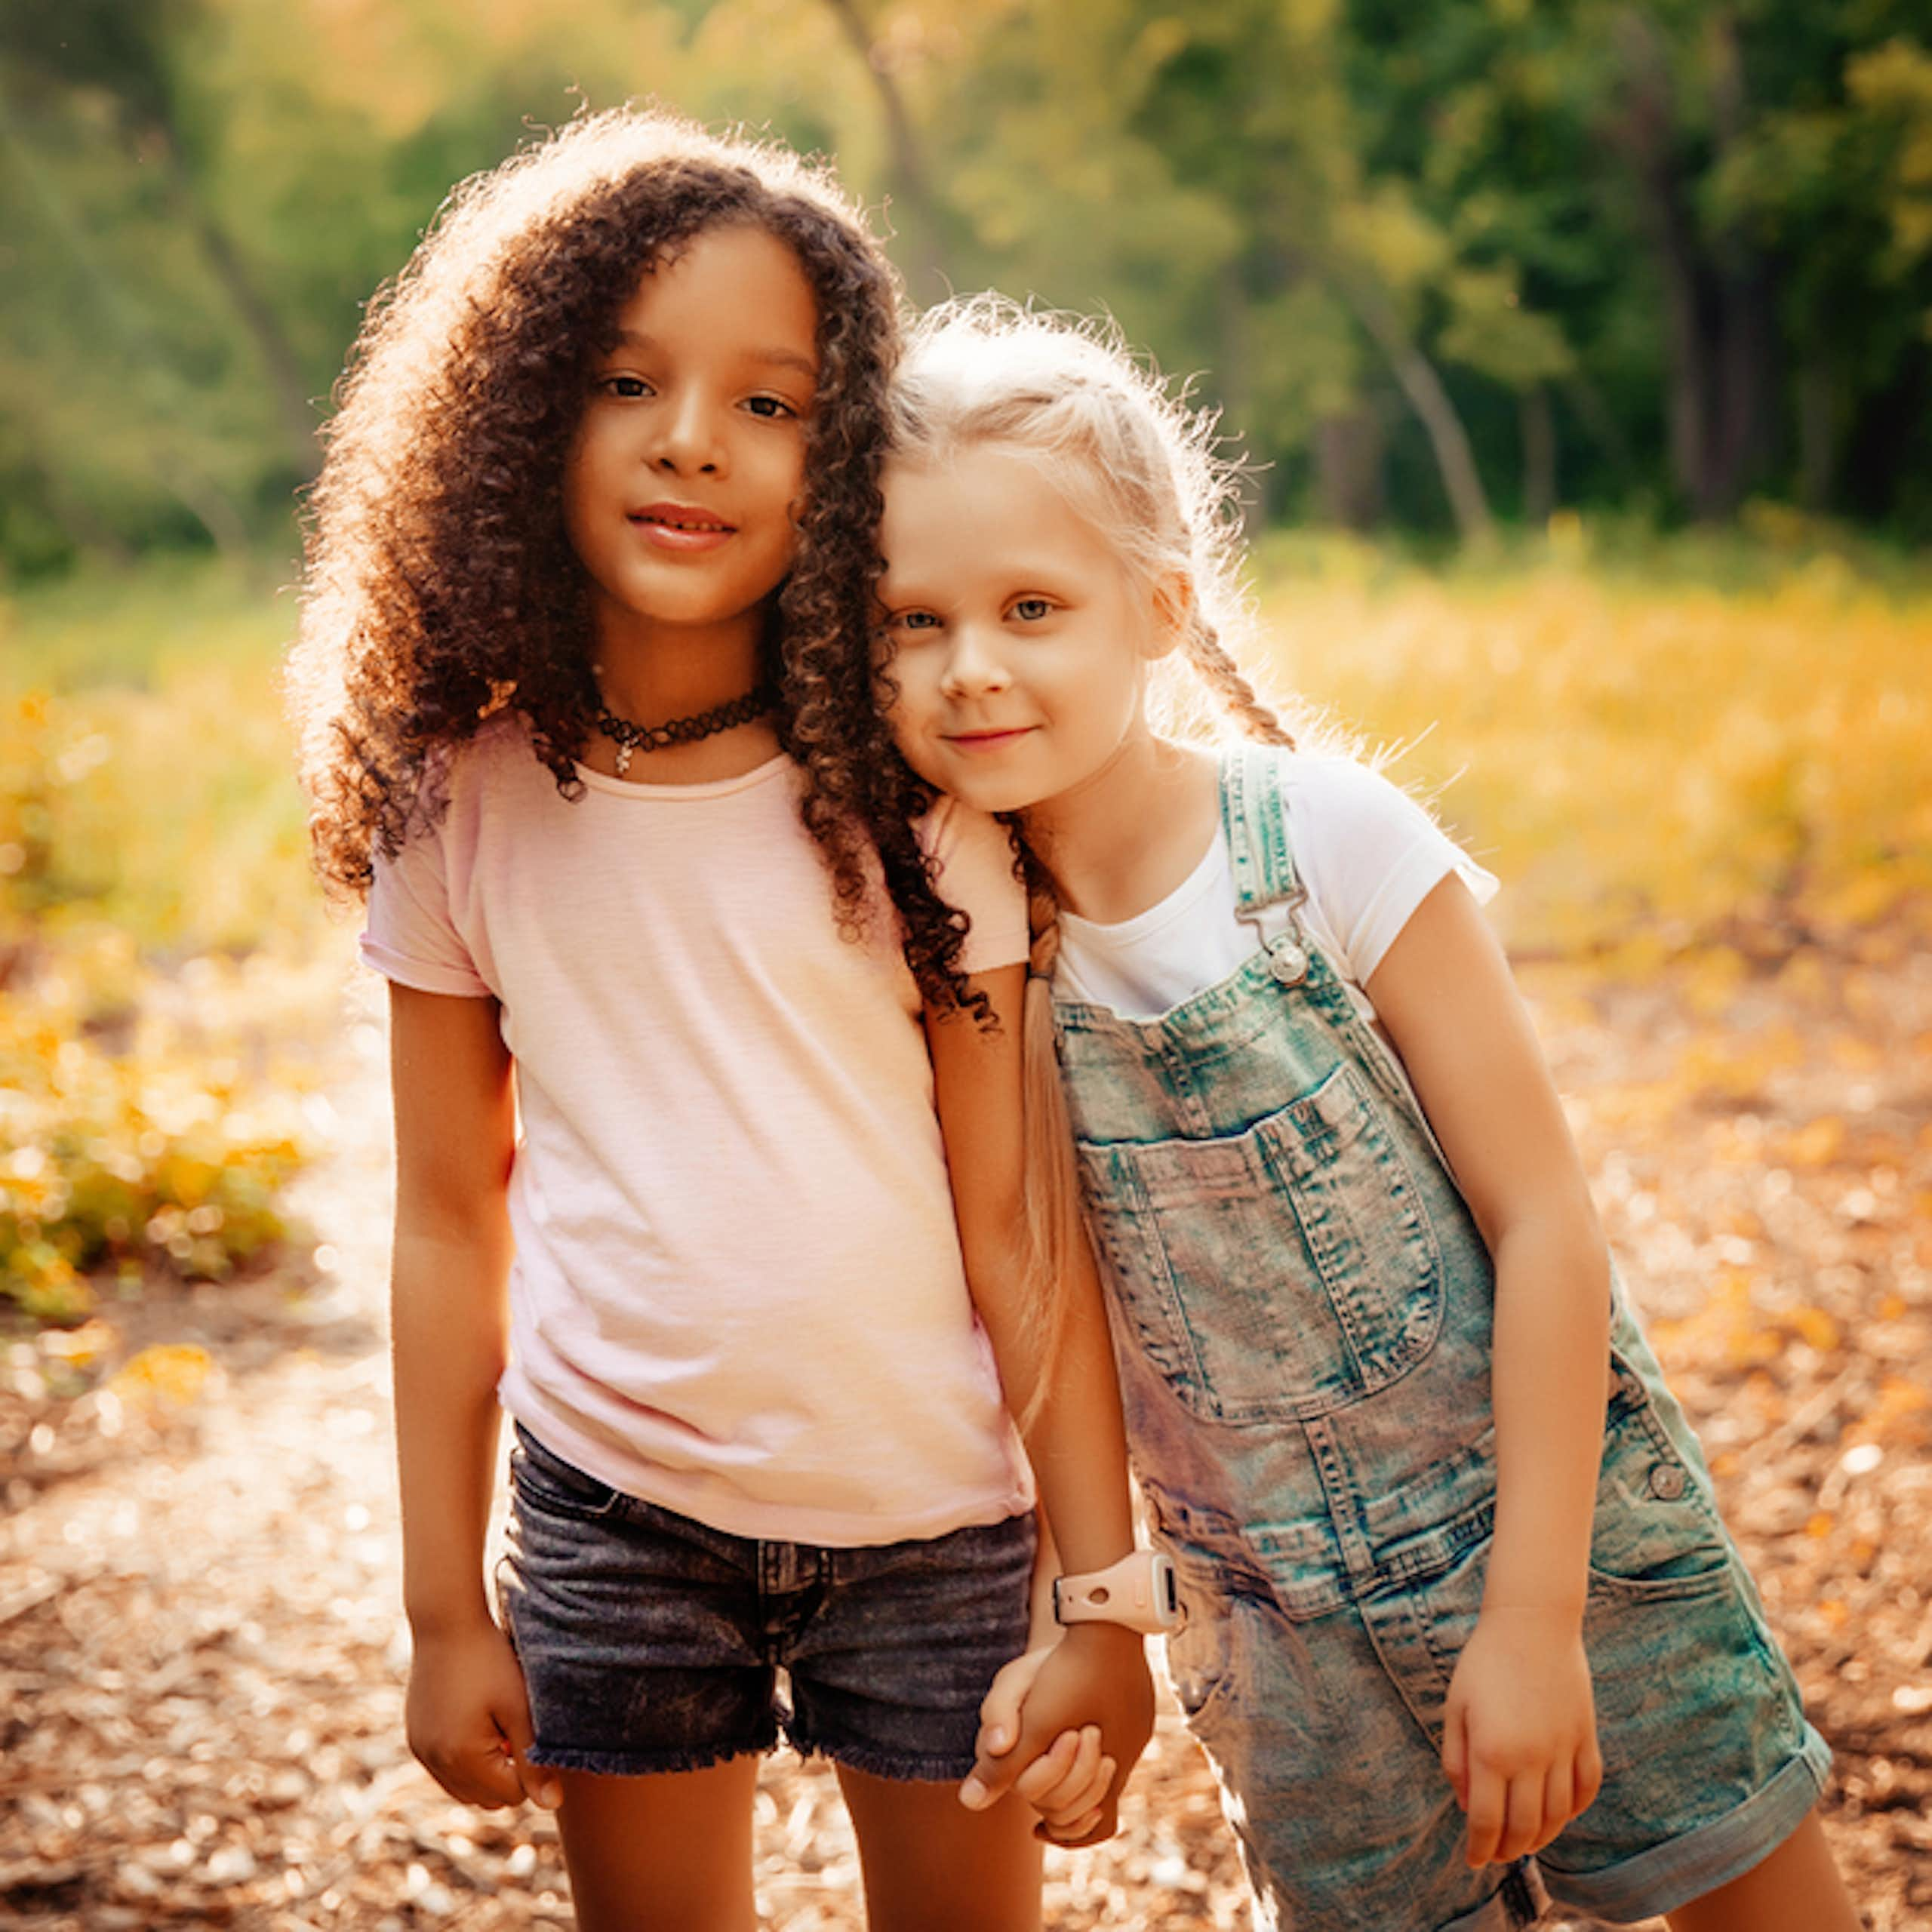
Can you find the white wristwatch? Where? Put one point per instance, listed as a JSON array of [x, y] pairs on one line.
[[1137, 1591]]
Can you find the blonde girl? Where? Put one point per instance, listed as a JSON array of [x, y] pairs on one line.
[[694, 1168], [1464, 1632]]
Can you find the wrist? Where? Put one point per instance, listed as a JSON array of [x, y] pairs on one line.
[[1557, 1615], [1103, 1639], [1137, 1591], [440, 1622]]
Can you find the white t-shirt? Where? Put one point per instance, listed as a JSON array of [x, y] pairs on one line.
[[1367, 853], [738, 1290]]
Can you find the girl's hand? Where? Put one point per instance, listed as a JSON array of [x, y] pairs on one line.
[[1094, 1678], [1067, 1784], [468, 1719], [1519, 1732]]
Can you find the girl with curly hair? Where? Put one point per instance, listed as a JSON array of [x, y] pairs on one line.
[[695, 1165], [1464, 1630]]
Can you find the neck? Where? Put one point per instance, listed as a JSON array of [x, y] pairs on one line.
[[1126, 838], [651, 672]]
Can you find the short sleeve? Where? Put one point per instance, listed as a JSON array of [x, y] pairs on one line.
[[411, 937], [976, 874], [1370, 855]]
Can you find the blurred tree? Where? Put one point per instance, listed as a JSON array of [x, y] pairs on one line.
[[133, 53], [1430, 256]]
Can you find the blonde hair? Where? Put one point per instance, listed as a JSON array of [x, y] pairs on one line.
[[1144, 469]]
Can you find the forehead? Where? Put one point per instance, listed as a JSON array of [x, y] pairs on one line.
[[982, 506], [738, 288]]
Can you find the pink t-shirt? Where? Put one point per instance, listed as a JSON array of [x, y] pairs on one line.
[[738, 1290]]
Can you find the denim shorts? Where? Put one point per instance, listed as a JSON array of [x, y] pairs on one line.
[[650, 1642]]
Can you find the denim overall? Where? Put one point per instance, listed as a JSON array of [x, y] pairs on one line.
[[1302, 1310]]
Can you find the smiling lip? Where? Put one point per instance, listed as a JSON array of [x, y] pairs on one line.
[[988, 741], [680, 527]]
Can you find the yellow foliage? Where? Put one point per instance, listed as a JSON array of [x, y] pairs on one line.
[[139, 1126], [1649, 767], [1814, 1326], [170, 1375], [1817, 1145]]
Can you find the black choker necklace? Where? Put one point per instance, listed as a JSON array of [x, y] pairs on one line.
[[629, 738]]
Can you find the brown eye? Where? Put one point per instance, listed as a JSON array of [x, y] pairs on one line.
[[1031, 610]]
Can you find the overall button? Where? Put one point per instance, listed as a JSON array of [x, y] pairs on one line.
[[1666, 1481], [1288, 962]]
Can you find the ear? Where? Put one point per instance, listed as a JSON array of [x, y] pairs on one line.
[[1173, 612]]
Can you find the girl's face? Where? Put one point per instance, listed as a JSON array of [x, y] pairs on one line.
[[679, 483], [1017, 639]]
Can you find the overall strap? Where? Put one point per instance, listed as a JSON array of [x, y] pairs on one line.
[[1256, 821]]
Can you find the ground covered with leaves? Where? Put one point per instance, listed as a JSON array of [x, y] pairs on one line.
[[201, 1657]]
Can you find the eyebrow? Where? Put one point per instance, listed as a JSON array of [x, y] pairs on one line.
[[773, 358]]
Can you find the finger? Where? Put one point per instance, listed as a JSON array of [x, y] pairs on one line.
[[1559, 1801], [993, 1776], [1075, 1793], [999, 1709], [474, 1774], [1456, 1753], [1089, 1795], [536, 1783], [1079, 1833], [1487, 1808], [1522, 1820], [1044, 1773], [1589, 1775], [1106, 1822]]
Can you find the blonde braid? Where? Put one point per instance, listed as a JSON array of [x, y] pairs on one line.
[[1051, 1206], [1210, 663]]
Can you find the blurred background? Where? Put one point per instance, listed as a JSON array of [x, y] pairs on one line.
[[1582, 353]]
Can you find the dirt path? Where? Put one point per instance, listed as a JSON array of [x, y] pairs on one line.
[[202, 1653]]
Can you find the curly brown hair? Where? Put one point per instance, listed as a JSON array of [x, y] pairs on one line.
[[440, 587]]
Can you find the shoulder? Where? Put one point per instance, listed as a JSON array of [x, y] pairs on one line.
[[1336, 796], [951, 828], [976, 871], [1367, 851]]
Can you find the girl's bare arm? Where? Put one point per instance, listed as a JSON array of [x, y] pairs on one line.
[[1445, 994], [1076, 1440], [468, 1717]]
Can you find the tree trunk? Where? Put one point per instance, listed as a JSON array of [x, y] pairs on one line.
[[173, 470], [1430, 401], [1645, 137], [1746, 345], [1817, 434], [295, 412], [922, 256], [1538, 422], [1587, 404], [1348, 467]]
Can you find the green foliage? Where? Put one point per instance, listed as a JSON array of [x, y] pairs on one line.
[[1664, 257]]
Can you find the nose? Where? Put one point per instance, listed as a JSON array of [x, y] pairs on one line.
[[973, 668], [687, 441]]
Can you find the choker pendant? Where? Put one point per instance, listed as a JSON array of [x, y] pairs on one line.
[[630, 738]]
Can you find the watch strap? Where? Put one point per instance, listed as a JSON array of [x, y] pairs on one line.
[[1138, 1592]]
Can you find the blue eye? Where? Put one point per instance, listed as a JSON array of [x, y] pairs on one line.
[[916, 620]]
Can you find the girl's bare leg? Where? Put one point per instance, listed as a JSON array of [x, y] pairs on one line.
[[671, 1853], [1797, 1889], [931, 1866]]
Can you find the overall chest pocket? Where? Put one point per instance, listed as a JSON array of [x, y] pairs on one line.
[[1283, 1273]]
